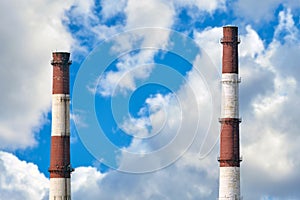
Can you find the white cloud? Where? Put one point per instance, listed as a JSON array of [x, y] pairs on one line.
[[251, 44], [154, 117], [137, 127], [89, 27], [86, 183], [21, 180], [30, 31], [130, 69], [209, 38], [202, 5], [154, 10], [269, 139], [261, 10], [286, 23], [110, 8], [178, 124], [176, 182], [159, 13], [138, 14]]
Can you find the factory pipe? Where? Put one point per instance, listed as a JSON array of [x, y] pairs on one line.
[[229, 180], [60, 167]]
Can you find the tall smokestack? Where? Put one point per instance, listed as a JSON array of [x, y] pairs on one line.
[[60, 168], [229, 185]]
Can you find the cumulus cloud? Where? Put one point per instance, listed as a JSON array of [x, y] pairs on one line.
[[268, 147], [88, 27], [89, 22], [262, 10], [30, 31], [158, 14], [80, 188], [178, 125], [164, 184], [21, 180], [130, 69], [208, 6], [111, 8], [210, 37]]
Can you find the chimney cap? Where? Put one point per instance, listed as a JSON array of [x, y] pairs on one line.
[[60, 52], [230, 26]]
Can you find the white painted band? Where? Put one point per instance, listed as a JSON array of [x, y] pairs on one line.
[[60, 115], [60, 189], [229, 187], [230, 95]]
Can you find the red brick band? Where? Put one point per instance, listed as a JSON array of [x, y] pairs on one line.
[[60, 166], [61, 65], [230, 43], [229, 144]]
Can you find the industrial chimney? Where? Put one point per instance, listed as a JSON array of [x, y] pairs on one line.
[[60, 168], [229, 183]]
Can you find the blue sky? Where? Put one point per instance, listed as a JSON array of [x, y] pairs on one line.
[[152, 69]]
